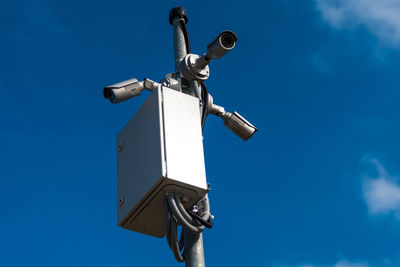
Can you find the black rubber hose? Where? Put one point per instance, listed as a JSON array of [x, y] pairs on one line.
[[186, 35], [204, 98], [174, 214], [174, 240], [167, 218], [179, 216], [181, 242], [198, 218], [182, 210]]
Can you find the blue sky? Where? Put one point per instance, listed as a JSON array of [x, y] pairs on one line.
[[317, 186]]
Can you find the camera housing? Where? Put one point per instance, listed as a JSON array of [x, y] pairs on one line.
[[239, 125], [224, 43], [234, 121], [127, 89], [194, 67], [123, 90]]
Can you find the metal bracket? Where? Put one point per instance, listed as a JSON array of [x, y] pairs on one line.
[[190, 71]]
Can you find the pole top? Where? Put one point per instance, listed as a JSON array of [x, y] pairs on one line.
[[179, 12]]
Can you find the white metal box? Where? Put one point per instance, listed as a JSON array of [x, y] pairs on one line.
[[160, 150]]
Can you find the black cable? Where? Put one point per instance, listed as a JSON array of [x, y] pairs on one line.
[[182, 210], [204, 97], [174, 240], [175, 214], [181, 241], [167, 218], [179, 217], [186, 35], [198, 218], [203, 107]]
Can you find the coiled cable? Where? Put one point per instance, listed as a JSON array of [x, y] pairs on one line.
[[175, 214]]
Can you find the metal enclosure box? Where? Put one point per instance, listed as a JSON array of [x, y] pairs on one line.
[[160, 150]]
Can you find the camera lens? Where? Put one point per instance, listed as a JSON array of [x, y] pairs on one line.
[[227, 41], [112, 97]]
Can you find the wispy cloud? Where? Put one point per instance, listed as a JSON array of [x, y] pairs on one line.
[[341, 263], [381, 17], [382, 192], [346, 263]]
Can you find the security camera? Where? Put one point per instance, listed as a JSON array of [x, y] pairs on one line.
[[224, 43], [194, 67], [127, 89], [233, 121], [239, 125]]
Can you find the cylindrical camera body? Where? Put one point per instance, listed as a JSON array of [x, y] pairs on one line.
[[122, 91], [239, 125], [224, 43]]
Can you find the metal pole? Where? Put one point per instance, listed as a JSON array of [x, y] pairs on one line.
[[194, 252], [179, 42]]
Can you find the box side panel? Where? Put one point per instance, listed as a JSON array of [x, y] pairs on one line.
[[140, 156], [183, 139]]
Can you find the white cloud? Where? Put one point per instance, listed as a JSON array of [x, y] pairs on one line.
[[381, 193], [381, 17], [341, 263], [351, 264]]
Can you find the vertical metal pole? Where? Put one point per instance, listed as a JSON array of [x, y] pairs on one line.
[[179, 42], [194, 252]]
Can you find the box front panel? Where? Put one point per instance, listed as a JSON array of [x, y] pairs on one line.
[[139, 156]]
